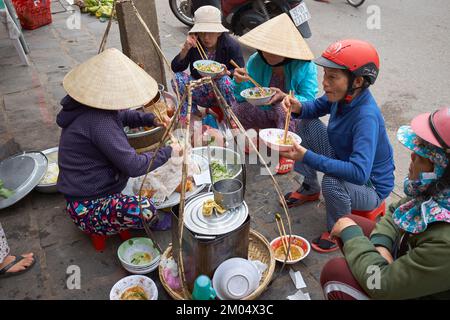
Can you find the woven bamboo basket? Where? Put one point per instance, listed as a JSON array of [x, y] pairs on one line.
[[258, 249]]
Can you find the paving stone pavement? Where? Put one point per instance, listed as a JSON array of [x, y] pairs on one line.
[[29, 102]]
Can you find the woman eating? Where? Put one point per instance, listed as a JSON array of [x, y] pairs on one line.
[[210, 35], [407, 254], [95, 158], [283, 63], [354, 151]]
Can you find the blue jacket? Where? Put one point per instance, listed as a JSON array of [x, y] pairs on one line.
[[227, 49], [300, 76], [359, 139]]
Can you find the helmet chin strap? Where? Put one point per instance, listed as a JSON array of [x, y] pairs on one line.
[[350, 90]]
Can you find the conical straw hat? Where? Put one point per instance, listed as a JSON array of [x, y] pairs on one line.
[[110, 81], [278, 36]]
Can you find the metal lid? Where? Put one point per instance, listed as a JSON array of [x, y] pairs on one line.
[[195, 221], [20, 174]]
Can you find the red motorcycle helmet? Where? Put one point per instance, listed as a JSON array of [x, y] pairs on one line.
[[359, 57], [434, 128]]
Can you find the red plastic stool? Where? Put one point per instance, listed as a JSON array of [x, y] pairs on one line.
[[372, 214], [99, 241]]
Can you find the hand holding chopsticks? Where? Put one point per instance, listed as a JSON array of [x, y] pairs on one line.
[[288, 119], [234, 64], [201, 51], [284, 239]]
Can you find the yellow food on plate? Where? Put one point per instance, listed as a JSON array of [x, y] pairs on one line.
[[296, 252], [51, 176], [208, 207], [134, 293], [189, 185]]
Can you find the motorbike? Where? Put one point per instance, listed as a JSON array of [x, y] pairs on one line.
[[240, 16]]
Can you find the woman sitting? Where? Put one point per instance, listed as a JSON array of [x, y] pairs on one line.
[[354, 151], [283, 63], [209, 32], [95, 158], [407, 254]]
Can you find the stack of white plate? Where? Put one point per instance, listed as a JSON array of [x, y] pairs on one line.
[[139, 256]]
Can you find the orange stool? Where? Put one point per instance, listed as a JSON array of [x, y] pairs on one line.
[[99, 241], [372, 214]]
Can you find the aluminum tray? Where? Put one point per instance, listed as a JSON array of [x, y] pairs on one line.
[[21, 173], [216, 224]]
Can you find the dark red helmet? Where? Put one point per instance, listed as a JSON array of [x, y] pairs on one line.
[[359, 57]]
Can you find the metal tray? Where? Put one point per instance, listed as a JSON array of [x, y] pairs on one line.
[[215, 224], [174, 198], [21, 173]]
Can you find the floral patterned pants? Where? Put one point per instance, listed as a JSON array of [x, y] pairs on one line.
[[204, 96], [110, 215]]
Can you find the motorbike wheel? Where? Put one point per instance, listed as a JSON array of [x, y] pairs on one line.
[[182, 10], [355, 3]]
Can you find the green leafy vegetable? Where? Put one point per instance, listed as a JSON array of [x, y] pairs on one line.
[[5, 193]]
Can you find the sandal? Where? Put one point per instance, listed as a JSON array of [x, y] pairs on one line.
[[324, 243], [284, 166], [4, 271], [295, 199]]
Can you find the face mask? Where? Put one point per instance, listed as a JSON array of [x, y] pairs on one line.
[[414, 188]]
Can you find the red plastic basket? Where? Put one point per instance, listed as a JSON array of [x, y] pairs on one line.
[[33, 13]]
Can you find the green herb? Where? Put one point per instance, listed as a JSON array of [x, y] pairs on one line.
[[5, 193], [220, 171]]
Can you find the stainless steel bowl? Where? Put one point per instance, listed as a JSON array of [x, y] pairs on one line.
[[48, 188], [228, 193], [226, 156]]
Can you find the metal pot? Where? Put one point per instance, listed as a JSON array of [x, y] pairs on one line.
[[228, 193]]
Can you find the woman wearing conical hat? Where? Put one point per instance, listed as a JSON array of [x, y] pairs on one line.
[[282, 62], [95, 158], [219, 46]]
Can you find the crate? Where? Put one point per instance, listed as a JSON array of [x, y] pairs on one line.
[[33, 13]]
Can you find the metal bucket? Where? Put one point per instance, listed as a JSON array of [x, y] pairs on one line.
[[202, 254], [228, 193]]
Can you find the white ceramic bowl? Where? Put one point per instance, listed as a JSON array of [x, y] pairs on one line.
[[235, 279], [295, 241], [123, 284], [142, 271], [129, 248], [273, 136], [249, 95], [199, 63]]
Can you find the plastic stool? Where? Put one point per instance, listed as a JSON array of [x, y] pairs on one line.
[[99, 240], [372, 214]]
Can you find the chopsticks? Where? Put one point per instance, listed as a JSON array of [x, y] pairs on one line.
[[284, 238], [201, 51], [288, 119], [234, 64]]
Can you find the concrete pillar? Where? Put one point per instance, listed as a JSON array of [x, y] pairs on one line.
[[136, 43]]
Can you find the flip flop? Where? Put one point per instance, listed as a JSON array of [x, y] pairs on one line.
[[295, 199], [324, 243], [4, 271]]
